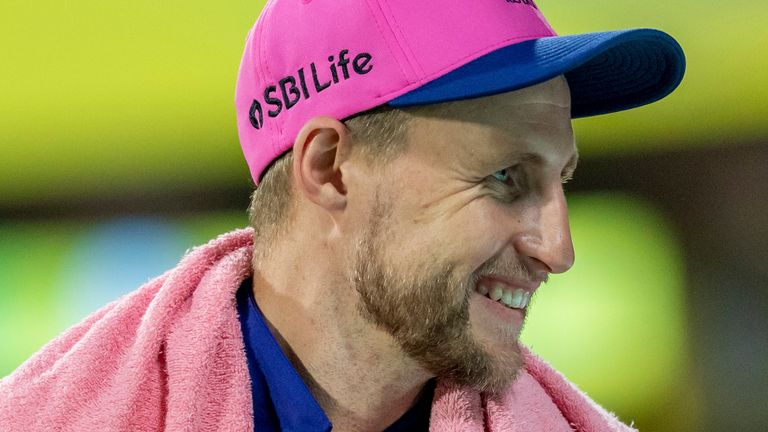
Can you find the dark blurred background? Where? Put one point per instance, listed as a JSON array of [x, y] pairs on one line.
[[119, 151]]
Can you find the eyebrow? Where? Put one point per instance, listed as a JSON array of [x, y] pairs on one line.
[[568, 169]]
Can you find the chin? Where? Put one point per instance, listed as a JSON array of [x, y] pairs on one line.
[[506, 366]]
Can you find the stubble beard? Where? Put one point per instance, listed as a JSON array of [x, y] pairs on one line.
[[426, 311]]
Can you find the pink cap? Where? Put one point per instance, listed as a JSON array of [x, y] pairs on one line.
[[305, 58]]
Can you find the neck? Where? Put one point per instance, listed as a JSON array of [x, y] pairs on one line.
[[356, 372]]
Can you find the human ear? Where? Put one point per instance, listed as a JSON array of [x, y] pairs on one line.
[[320, 148]]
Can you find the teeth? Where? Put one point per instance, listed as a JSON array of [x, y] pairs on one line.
[[496, 293], [517, 299], [507, 298], [482, 289], [526, 299]]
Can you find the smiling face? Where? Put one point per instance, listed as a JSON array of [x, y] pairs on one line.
[[465, 226]]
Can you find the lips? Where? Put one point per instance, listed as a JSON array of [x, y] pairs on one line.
[[514, 295]]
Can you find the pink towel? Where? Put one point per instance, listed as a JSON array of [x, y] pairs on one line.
[[170, 356]]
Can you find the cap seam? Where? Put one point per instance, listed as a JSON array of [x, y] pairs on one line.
[[401, 39], [462, 61], [376, 19]]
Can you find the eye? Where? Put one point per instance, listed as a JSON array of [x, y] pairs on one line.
[[506, 183], [504, 176]]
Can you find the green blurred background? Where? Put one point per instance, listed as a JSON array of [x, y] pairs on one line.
[[119, 151]]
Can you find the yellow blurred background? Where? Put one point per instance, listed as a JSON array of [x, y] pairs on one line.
[[119, 151]]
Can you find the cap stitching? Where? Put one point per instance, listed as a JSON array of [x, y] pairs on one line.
[[387, 44], [401, 40]]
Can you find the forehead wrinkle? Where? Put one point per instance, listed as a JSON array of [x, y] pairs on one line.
[[539, 97], [484, 113]]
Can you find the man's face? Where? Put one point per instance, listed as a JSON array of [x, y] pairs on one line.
[[474, 206]]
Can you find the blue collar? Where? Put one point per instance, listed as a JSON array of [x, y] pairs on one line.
[[281, 399]]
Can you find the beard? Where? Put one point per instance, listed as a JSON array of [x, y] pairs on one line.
[[425, 308]]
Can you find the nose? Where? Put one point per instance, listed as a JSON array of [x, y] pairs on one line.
[[546, 237]]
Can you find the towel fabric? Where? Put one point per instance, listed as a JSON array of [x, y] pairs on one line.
[[170, 356]]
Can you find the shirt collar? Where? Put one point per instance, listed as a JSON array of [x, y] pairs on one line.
[[296, 408]]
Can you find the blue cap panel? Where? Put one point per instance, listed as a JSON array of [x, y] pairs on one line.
[[607, 72]]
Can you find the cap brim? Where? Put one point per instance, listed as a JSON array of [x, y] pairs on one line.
[[606, 72]]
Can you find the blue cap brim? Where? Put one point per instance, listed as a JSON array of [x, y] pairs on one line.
[[606, 72]]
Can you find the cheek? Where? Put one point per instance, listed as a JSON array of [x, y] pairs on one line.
[[479, 236], [467, 238]]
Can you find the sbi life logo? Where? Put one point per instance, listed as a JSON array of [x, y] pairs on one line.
[[292, 89], [525, 2]]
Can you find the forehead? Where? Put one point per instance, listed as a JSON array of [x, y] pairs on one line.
[[535, 120]]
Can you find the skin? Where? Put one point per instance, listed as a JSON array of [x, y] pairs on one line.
[[380, 295]]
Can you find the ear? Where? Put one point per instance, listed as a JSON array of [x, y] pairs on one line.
[[321, 146]]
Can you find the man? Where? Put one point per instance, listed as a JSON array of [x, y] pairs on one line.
[[409, 157]]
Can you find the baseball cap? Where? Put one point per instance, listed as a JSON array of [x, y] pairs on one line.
[[305, 58]]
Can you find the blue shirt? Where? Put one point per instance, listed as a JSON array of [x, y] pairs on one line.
[[281, 399]]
